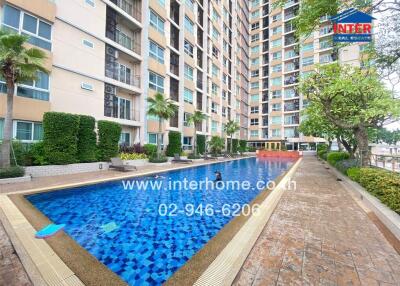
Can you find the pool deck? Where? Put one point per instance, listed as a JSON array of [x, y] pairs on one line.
[[319, 235]]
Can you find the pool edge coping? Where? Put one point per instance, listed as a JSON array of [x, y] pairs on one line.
[[53, 269]]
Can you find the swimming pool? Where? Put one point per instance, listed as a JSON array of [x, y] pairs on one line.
[[125, 230]]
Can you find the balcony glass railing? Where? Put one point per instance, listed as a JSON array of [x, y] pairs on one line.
[[129, 8], [122, 74]]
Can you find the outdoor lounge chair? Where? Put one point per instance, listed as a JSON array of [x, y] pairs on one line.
[[116, 163], [178, 159], [206, 157]]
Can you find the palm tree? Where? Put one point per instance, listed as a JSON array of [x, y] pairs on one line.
[[164, 109], [195, 119], [18, 64], [231, 128]]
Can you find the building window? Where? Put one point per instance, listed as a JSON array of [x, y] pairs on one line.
[[28, 131], [188, 72], [277, 55], [36, 89], [255, 49], [276, 18], [90, 2], [39, 32], [255, 62], [254, 109], [276, 119], [156, 82], [186, 117], [276, 133], [255, 26], [188, 96], [214, 126], [156, 52], [254, 85], [189, 25], [125, 139], [190, 4], [188, 48], [276, 107], [276, 94], [307, 47], [277, 30], [157, 22], [88, 43], [276, 81], [308, 61], [152, 138], [276, 43], [187, 143], [87, 86], [214, 70], [254, 133], [255, 97], [214, 107], [254, 121], [277, 68]]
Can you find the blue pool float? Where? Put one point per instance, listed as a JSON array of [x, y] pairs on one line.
[[49, 230]]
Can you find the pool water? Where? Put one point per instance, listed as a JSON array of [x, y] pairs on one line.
[[125, 231]]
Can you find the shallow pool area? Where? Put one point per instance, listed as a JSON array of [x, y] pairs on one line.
[[144, 236]]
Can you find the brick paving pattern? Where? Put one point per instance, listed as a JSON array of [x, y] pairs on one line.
[[12, 273], [318, 235]]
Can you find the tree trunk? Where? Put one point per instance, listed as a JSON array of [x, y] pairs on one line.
[[159, 139], [348, 147], [362, 143], [7, 134], [195, 142]]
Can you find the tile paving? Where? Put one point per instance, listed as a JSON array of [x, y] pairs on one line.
[[12, 273], [318, 235]]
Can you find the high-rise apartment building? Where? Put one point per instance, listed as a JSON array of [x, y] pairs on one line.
[[234, 60]]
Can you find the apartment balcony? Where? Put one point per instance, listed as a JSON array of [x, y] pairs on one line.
[[119, 107], [290, 40], [122, 33], [289, 27], [119, 68], [132, 8], [174, 39], [199, 101], [265, 120], [291, 54], [174, 121], [174, 63], [290, 3], [265, 96], [292, 66], [174, 12], [173, 89], [292, 105], [292, 119], [291, 79], [327, 44], [265, 108], [325, 31]]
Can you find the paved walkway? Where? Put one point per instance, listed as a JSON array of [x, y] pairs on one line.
[[318, 235], [12, 272]]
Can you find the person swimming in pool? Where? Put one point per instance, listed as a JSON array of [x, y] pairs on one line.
[[218, 176]]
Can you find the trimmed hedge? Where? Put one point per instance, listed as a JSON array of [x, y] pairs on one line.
[[86, 139], [174, 143], [346, 164], [383, 184], [322, 151], [150, 150], [242, 146], [109, 134], [37, 154], [11, 172], [334, 157], [201, 144], [60, 137], [235, 145]]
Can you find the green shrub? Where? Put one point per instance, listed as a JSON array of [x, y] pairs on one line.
[[19, 155], [383, 184], [346, 164], [334, 157], [192, 156], [174, 143], [150, 150], [154, 159], [132, 156], [201, 144], [242, 146], [217, 144], [11, 172], [60, 137], [109, 134], [235, 145], [322, 151], [86, 139], [37, 154]]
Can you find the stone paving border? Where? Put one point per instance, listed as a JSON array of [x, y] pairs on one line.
[[53, 269]]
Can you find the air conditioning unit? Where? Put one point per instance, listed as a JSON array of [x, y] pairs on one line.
[[112, 52], [110, 89]]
